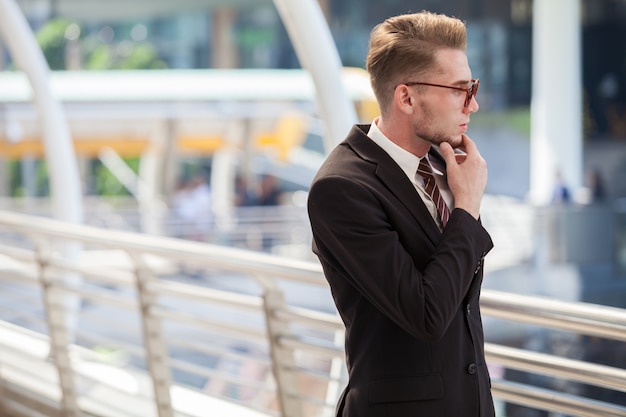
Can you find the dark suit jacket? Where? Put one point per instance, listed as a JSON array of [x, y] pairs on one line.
[[407, 293]]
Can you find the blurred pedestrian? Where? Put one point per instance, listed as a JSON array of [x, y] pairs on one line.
[[192, 204], [560, 192], [269, 191], [595, 183]]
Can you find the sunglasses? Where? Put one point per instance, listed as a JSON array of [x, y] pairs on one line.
[[470, 91]]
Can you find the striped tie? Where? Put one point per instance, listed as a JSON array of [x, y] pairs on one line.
[[433, 191]]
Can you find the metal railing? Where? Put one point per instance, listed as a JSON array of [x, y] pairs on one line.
[[106, 323]]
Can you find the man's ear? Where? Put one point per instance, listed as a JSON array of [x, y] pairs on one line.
[[403, 99]]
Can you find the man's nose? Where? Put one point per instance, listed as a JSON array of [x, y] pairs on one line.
[[473, 106]]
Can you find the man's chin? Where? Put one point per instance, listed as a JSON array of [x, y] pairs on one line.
[[455, 141]]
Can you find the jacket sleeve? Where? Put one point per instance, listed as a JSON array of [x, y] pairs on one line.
[[416, 283]]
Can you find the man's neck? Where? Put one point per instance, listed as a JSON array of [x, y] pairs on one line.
[[402, 137]]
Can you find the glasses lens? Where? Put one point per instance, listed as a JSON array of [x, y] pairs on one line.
[[471, 92]]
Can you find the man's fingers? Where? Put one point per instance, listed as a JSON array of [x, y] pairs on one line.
[[447, 152]]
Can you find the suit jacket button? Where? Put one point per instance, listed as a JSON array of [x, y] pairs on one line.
[[471, 368], [468, 309]]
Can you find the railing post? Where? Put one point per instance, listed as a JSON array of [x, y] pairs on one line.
[[3, 396], [56, 318], [283, 361], [154, 342]]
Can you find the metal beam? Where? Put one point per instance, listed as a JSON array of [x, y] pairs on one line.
[[65, 187], [316, 50]]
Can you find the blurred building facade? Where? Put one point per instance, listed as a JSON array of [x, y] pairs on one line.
[[250, 34], [201, 34]]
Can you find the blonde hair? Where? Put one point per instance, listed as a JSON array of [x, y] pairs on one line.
[[404, 46]]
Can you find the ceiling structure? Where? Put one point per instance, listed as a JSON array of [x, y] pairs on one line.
[[120, 10]]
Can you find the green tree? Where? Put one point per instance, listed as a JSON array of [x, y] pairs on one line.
[[143, 56], [52, 40], [124, 56], [107, 184]]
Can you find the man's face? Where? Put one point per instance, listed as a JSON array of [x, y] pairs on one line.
[[442, 116]]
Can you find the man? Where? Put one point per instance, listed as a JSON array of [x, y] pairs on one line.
[[405, 278]]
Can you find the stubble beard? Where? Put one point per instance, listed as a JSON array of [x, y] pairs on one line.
[[426, 130]]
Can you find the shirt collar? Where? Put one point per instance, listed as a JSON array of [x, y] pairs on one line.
[[405, 159]]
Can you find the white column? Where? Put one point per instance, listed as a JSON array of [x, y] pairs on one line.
[[556, 105], [65, 187], [317, 53], [152, 207], [223, 42]]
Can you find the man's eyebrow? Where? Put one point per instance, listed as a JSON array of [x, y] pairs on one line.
[[463, 83]]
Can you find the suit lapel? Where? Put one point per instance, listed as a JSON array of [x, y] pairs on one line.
[[392, 176]]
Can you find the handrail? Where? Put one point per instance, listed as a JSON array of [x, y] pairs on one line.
[[550, 365], [142, 281], [590, 319], [555, 401]]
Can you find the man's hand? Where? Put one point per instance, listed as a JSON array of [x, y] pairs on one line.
[[467, 175]]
